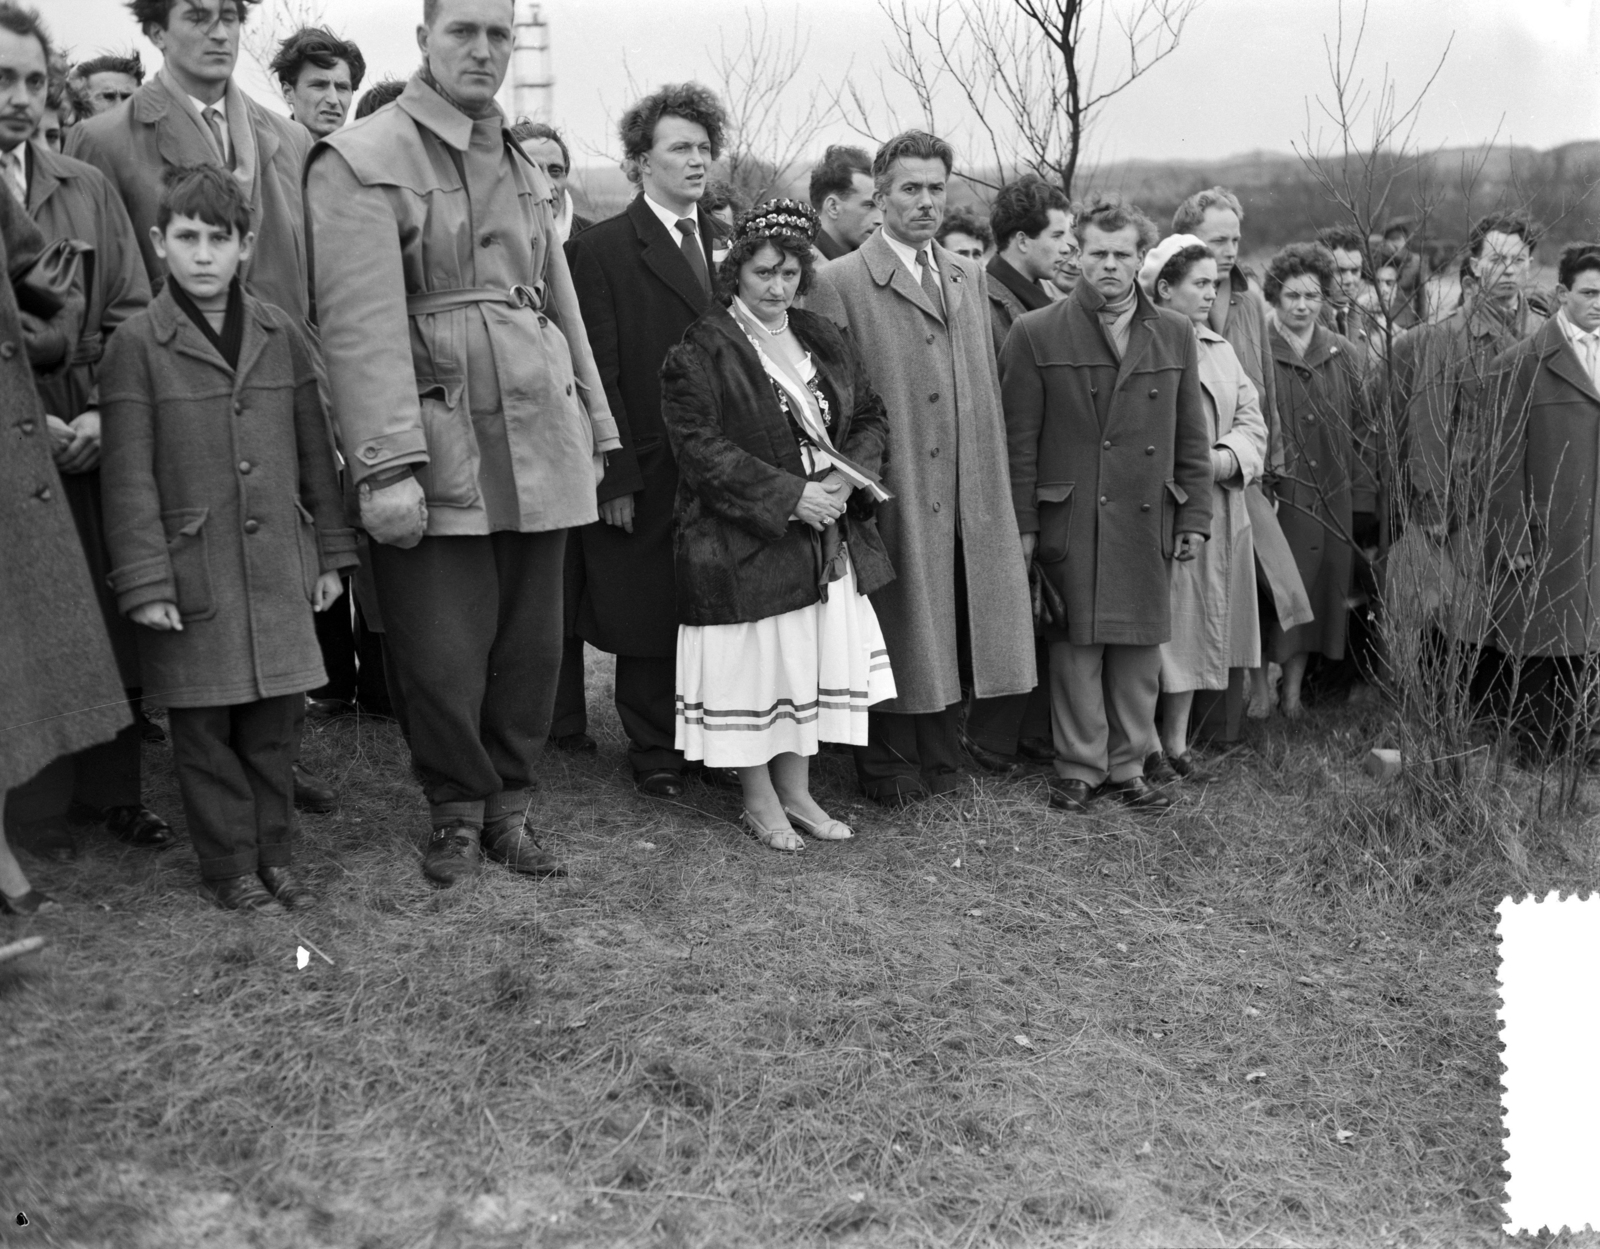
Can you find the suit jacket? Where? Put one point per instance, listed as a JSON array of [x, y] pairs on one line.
[[638, 295], [157, 128], [68, 199], [935, 369], [739, 555], [1110, 460], [59, 688], [1542, 415]]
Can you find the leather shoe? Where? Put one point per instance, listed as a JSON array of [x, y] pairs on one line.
[[1070, 795], [512, 844], [1037, 749], [719, 778], [897, 791], [988, 760], [282, 885], [453, 854], [312, 793], [329, 708], [661, 783], [1138, 792], [1187, 767], [34, 902], [139, 826], [149, 730], [49, 838], [575, 743], [1159, 768], [244, 893]]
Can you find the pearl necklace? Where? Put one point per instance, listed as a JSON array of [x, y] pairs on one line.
[[780, 330]]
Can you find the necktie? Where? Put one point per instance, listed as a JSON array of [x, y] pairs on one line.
[[214, 122], [15, 178], [693, 252], [930, 284], [1341, 317]]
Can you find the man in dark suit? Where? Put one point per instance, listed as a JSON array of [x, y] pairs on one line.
[[642, 278], [543, 145], [845, 197]]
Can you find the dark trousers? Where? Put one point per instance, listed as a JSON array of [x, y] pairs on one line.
[[998, 724], [352, 654], [1218, 715], [234, 767], [645, 697], [107, 774], [474, 633]]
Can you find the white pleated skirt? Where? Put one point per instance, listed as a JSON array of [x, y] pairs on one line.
[[747, 692]]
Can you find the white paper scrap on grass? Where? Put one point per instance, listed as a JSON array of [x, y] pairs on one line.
[[302, 956], [1550, 1017]]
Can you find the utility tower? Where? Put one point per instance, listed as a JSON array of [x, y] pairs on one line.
[[529, 89]]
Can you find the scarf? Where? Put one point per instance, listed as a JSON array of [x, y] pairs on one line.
[[231, 338], [427, 77], [1118, 319]]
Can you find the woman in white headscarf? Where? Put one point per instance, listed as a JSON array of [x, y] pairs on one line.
[[1215, 624]]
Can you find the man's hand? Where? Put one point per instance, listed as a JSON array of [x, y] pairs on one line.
[[61, 435], [1030, 543], [162, 616], [1189, 545], [83, 453], [396, 514], [330, 585], [618, 512], [1521, 563]]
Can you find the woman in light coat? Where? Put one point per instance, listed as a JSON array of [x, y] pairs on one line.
[[1215, 624]]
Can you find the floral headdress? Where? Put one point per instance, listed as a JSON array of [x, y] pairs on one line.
[[779, 218]]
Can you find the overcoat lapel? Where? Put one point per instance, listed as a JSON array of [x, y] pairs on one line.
[[1139, 339], [952, 279], [42, 181], [664, 257], [179, 136], [1562, 360], [886, 270]]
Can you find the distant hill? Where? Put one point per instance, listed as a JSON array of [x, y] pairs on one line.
[[1283, 201]]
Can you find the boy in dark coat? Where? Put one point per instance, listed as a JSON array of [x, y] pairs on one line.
[[224, 523]]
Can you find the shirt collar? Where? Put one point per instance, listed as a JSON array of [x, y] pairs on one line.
[[1574, 334], [908, 254], [669, 218], [221, 106]]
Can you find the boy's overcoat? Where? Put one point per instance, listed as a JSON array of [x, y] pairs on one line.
[[739, 556], [947, 444], [220, 496]]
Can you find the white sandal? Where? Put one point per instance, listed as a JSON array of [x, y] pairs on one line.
[[829, 830], [785, 839]]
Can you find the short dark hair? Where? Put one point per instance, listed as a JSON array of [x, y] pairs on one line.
[[688, 100], [319, 46], [1576, 258], [111, 63], [965, 221], [723, 194], [1178, 266], [744, 248], [1024, 207], [20, 19], [524, 130], [208, 193], [156, 12], [1186, 218], [1502, 223], [910, 145], [1343, 239], [377, 95], [1111, 213], [1294, 261], [836, 172]]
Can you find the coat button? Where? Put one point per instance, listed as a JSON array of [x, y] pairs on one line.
[[1094, 390], [1154, 393], [936, 507], [1313, 463], [250, 526], [930, 338], [244, 466], [1102, 500], [43, 494], [7, 350], [934, 397], [26, 427], [1144, 507], [486, 241], [1106, 444], [543, 321], [1149, 450], [369, 452], [569, 388], [934, 454]]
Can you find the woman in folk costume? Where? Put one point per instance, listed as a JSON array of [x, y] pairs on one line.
[[780, 442], [1215, 624]]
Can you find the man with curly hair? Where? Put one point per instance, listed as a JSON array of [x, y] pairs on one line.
[[643, 277], [105, 81], [319, 74], [192, 112]]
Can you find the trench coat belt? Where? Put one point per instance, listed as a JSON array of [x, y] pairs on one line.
[[90, 348], [428, 303]]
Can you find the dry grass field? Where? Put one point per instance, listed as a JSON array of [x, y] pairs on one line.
[[980, 1023]]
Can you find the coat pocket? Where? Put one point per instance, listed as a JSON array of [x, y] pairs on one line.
[[310, 552], [450, 478], [191, 562], [1055, 520], [1173, 497]]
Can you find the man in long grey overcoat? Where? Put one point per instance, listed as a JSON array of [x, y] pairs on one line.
[[958, 608]]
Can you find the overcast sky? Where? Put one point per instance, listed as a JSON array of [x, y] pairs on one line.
[[1529, 69]]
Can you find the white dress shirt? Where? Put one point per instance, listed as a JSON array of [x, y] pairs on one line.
[[908, 256], [670, 219], [221, 107], [15, 165], [1586, 343]]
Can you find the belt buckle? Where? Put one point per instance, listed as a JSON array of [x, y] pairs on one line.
[[525, 296]]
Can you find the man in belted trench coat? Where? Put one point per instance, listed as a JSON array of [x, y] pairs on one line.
[[1111, 471], [471, 418], [958, 607]]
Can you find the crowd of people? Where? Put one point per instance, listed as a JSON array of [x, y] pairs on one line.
[[943, 487]]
